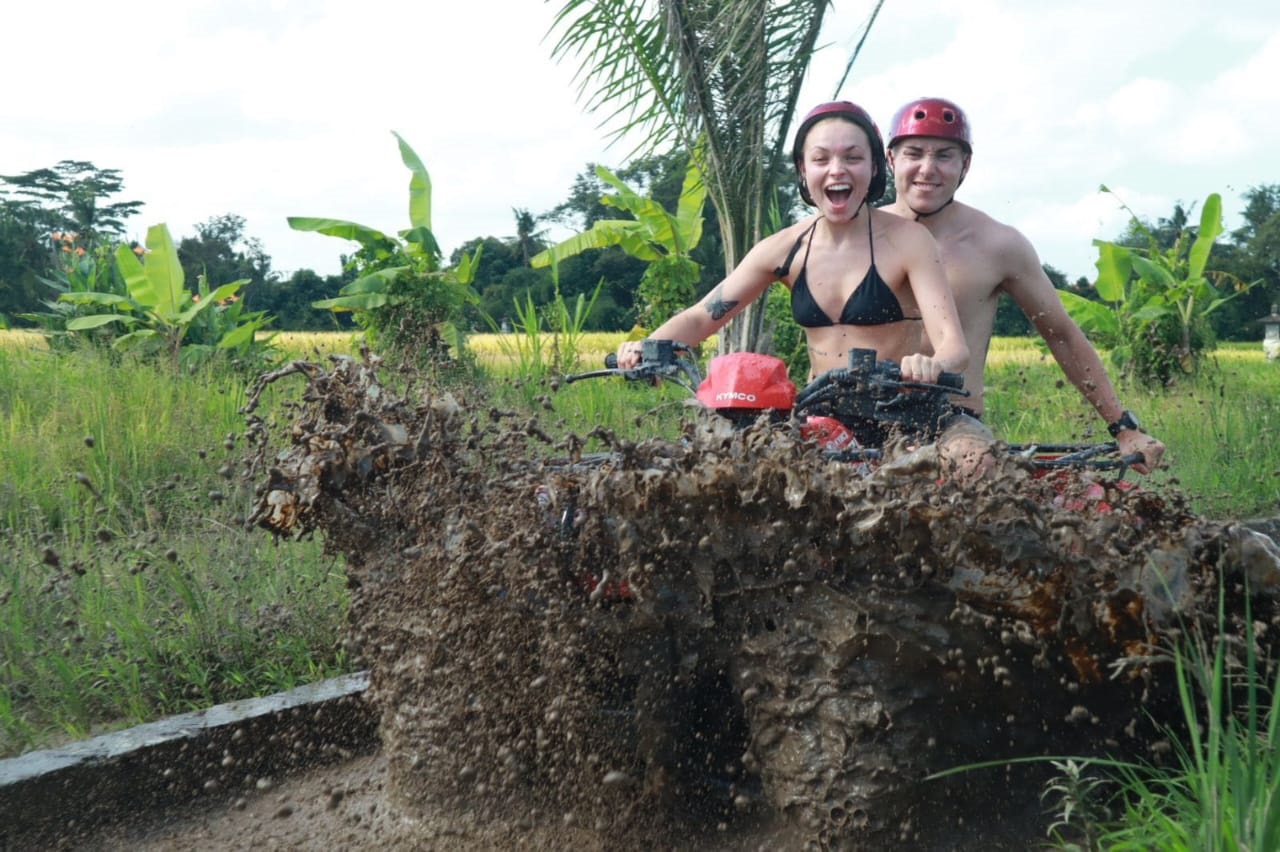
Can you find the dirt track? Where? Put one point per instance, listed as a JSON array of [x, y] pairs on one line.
[[345, 807]]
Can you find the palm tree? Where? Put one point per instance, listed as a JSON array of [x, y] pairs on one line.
[[528, 237], [726, 72]]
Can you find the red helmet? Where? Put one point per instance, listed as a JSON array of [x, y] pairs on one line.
[[932, 117], [747, 380], [860, 117]]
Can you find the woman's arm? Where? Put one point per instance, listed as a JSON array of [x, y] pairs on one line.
[[923, 263], [726, 300]]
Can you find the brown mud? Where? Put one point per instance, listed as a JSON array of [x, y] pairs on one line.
[[727, 638]]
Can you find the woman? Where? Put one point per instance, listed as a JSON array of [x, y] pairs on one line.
[[859, 277]]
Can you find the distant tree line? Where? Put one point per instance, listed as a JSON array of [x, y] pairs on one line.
[[78, 197]]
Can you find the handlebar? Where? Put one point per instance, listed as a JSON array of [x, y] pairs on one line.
[[872, 391], [660, 360], [1092, 456]]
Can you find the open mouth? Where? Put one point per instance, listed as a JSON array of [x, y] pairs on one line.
[[838, 193]]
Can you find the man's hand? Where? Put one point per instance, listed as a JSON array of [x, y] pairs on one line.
[[1132, 441]]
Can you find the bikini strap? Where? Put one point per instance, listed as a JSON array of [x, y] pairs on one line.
[[871, 244], [781, 271]]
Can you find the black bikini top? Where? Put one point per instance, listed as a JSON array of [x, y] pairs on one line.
[[871, 302]]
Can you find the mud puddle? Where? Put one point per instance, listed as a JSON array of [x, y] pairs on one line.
[[729, 630]]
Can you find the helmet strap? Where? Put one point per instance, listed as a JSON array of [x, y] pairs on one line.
[[920, 215]]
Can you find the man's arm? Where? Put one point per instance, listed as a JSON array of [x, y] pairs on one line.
[[1032, 290]]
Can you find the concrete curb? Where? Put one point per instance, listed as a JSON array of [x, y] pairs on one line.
[[50, 795]]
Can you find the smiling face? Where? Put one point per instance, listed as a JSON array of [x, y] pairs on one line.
[[927, 171], [837, 167]]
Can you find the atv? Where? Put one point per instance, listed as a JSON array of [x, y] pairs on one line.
[[766, 618]]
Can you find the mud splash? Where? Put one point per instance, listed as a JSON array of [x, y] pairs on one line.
[[686, 635]]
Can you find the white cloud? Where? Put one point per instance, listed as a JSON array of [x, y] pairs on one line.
[[272, 109], [1144, 104]]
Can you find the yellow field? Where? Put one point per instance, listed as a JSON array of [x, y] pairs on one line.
[[306, 343], [497, 349], [18, 338]]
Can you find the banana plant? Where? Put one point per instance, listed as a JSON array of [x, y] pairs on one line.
[[1156, 296], [663, 239], [157, 310], [400, 273]]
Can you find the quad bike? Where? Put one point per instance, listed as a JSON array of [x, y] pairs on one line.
[[853, 412], [850, 411], [759, 615]]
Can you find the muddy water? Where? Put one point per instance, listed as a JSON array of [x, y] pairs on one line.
[[728, 631]]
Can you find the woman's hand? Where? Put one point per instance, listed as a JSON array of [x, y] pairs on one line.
[[629, 354], [921, 368]]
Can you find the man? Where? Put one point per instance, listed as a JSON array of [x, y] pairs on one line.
[[930, 150]]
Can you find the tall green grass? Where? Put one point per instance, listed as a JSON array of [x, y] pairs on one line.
[[129, 588], [1221, 790], [1219, 427]]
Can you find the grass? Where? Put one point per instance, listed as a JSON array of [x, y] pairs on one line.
[[1220, 792], [1218, 427], [129, 589]]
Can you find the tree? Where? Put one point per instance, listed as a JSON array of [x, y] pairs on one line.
[[72, 196], [68, 198], [661, 177], [528, 237], [159, 315], [1254, 255], [403, 297], [726, 72], [1157, 300], [26, 255], [1010, 319], [221, 251], [290, 302], [662, 239]]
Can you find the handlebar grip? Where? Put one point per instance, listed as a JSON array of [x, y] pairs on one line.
[[951, 380], [611, 361]]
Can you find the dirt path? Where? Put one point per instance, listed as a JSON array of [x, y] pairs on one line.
[[344, 807]]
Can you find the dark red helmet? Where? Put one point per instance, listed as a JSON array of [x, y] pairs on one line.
[[932, 117], [860, 117], [748, 381]]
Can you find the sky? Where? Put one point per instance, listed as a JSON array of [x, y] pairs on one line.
[[274, 108]]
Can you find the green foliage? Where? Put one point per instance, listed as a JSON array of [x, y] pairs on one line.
[[159, 315], [129, 589], [1156, 300], [564, 323], [788, 340], [77, 270], [222, 251], [662, 239], [1010, 319], [71, 196], [1222, 791], [290, 300], [666, 288], [402, 296]]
